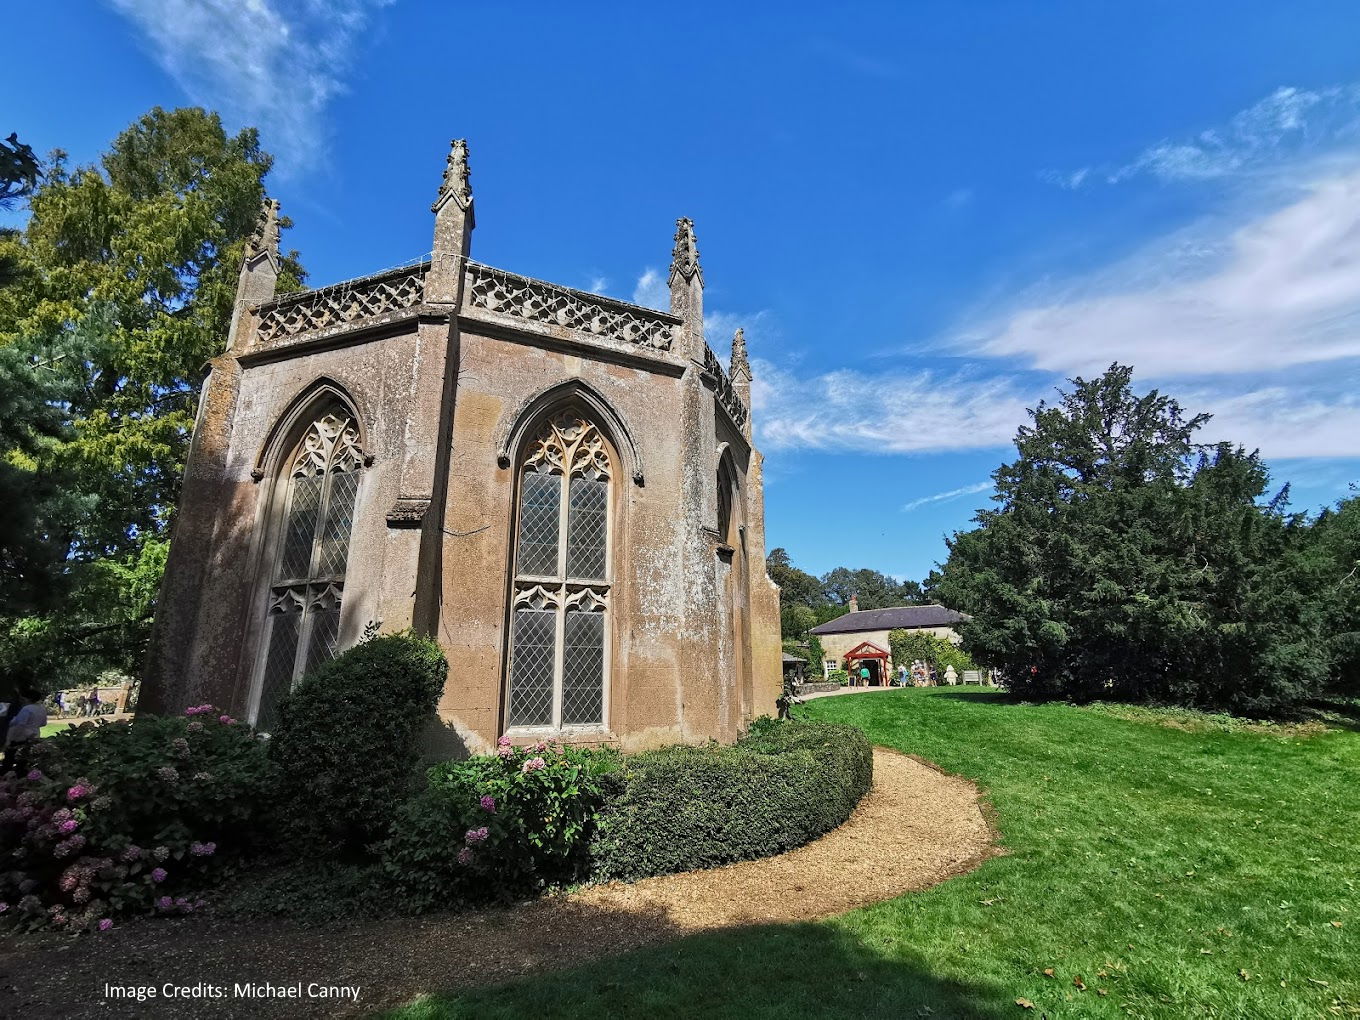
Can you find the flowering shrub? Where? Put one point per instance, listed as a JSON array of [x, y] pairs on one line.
[[105, 825], [497, 826], [348, 739]]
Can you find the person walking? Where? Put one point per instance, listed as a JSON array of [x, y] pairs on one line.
[[25, 727], [864, 675]]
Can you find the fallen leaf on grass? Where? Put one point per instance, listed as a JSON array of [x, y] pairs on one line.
[[1024, 1003], [1102, 991], [1335, 924], [1320, 983], [1081, 985], [1048, 972], [1244, 975]]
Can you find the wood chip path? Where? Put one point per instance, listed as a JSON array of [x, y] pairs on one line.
[[918, 826]]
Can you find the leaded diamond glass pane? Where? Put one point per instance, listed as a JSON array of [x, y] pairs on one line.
[[586, 525], [538, 511], [278, 669], [531, 667], [583, 669], [339, 518], [321, 642], [301, 528]]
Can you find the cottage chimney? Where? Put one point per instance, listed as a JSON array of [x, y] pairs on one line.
[[686, 281], [453, 224], [854, 603], [259, 272]]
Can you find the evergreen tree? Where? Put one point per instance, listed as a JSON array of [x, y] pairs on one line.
[[122, 288], [1124, 559]]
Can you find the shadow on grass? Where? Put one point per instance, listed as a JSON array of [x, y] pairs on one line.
[[796, 970], [1341, 712], [991, 697]]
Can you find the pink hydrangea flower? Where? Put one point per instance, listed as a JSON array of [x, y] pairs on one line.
[[225, 720], [489, 803], [161, 853], [35, 776], [198, 849], [475, 836], [168, 774], [202, 777], [533, 765], [105, 923], [540, 747], [3, 906], [503, 742], [506, 752], [69, 826], [195, 727], [165, 903], [78, 791], [180, 746], [131, 854], [465, 856], [158, 874]]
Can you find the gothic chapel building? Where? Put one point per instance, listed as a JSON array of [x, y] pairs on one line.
[[559, 487]]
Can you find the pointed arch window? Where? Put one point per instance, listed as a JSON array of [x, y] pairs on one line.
[[302, 624], [558, 656]]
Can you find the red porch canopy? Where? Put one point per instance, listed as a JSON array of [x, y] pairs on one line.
[[866, 650]]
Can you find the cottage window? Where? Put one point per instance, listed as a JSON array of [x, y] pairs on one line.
[[302, 610], [558, 655]]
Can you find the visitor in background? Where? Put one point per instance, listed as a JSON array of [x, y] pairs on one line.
[[864, 676], [24, 728], [902, 674]]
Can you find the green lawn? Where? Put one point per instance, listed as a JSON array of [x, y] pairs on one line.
[[1187, 874]]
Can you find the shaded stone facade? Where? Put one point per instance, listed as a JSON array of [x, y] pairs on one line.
[[559, 487]]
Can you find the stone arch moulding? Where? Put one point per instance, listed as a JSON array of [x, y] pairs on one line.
[[511, 432], [299, 408]]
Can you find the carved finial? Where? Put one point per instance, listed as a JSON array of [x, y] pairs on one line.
[[685, 255], [265, 238], [456, 184], [741, 364]]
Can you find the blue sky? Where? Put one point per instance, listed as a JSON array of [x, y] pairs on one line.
[[925, 215]]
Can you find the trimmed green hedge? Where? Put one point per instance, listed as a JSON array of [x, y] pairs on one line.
[[683, 808]]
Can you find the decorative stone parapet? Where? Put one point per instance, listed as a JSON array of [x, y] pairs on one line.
[[507, 294], [341, 305], [727, 394]]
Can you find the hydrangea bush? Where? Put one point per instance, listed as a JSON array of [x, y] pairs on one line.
[[497, 826], [117, 818]]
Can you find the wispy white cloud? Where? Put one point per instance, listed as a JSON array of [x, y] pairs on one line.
[[1287, 126], [1283, 421], [1279, 287], [651, 291], [599, 284], [1071, 180], [946, 497], [1283, 126], [908, 412], [274, 64]]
